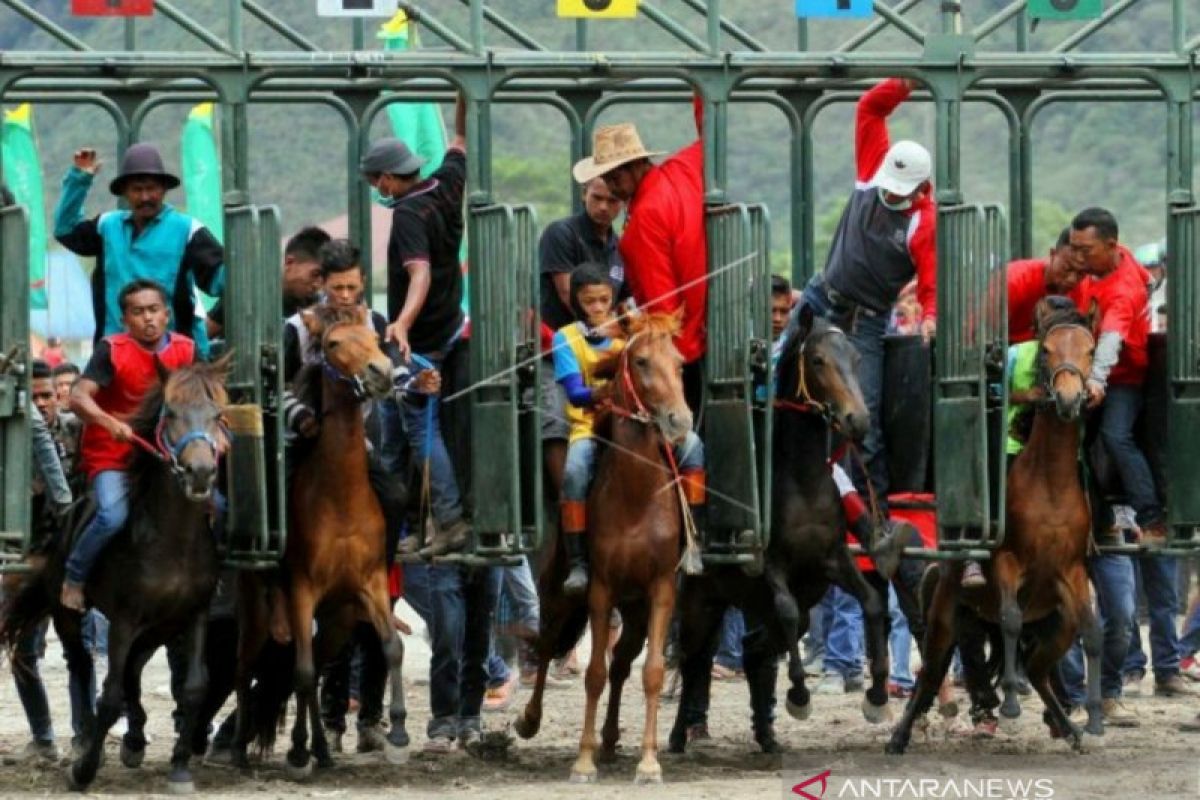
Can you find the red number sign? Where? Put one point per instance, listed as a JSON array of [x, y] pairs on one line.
[[112, 8]]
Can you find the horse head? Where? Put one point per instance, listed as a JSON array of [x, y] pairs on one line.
[[1066, 346], [350, 350], [649, 379], [819, 367], [184, 416]]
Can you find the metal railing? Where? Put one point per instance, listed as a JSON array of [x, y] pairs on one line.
[[15, 463]]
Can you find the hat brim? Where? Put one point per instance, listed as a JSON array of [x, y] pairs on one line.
[[117, 186], [899, 186], [407, 167], [586, 169]]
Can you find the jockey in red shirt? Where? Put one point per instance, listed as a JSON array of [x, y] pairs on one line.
[[122, 369], [1031, 279]]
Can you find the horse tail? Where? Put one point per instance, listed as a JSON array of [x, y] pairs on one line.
[[273, 685], [24, 608]]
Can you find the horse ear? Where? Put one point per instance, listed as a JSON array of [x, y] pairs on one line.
[[161, 369], [1093, 316], [629, 322], [1039, 315], [222, 365], [364, 313], [311, 322], [804, 320]]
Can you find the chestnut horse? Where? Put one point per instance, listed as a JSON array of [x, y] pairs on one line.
[[1037, 578], [335, 564], [635, 536]]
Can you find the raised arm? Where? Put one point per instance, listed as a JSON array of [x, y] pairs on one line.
[[871, 140], [80, 236]]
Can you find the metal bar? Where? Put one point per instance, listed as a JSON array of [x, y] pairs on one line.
[[1192, 45], [131, 33], [279, 26], [876, 27], [905, 27], [581, 35], [1178, 27], [235, 25], [477, 26], [1084, 33], [672, 27], [508, 28], [994, 22], [48, 25], [731, 28], [358, 34], [713, 18], [436, 27], [191, 26]]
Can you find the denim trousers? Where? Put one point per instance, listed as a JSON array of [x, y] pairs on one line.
[[1122, 405], [844, 634], [1158, 574], [1189, 640], [32, 691], [1112, 577], [422, 426], [900, 642], [111, 489], [581, 463], [729, 649]]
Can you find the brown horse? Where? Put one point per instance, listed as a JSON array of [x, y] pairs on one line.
[[1037, 578], [335, 561], [635, 531]]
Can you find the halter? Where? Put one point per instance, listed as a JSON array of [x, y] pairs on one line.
[[640, 412], [169, 452], [1067, 367], [808, 404], [357, 388]]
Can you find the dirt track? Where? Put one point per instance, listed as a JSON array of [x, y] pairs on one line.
[[1153, 761]]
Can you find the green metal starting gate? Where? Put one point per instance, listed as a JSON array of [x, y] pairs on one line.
[[15, 464], [972, 332], [505, 461], [1183, 375], [737, 427], [256, 529]]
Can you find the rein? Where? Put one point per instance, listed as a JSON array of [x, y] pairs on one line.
[[640, 413], [169, 452], [1066, 367], [808, 404]]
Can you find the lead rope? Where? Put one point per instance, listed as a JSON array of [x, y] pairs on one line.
[[426, 504]]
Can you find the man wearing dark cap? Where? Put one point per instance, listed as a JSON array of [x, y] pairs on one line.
[[149, 240]]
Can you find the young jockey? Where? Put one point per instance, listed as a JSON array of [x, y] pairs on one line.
[[121, 370], [578, 349]]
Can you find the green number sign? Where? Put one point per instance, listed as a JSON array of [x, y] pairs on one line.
[[1065, 9]]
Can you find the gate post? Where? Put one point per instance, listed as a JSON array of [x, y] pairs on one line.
[[15, 464]]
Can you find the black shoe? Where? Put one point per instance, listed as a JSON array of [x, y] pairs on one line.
[[577, 581], [887, 545], [447, 539]]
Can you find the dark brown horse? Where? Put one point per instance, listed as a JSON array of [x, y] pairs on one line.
[[153, 581], [1036, 580], [335, 562], [635, 533]]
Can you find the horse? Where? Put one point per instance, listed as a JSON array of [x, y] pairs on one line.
[[335, 562], [1037, 580], [817, 390], [153, 581], [635, 530]]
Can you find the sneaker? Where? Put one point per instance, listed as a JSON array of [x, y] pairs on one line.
[[855, 683], [371, 738], [985, 727], [566, 667], [469, 738], [720, 672], [899, 692], [1190, 668], [447, 539], [439, 744], [831, 683], [1173, 686], [1131, 684], [972, 576], [500, 698], [891, 537], [1118, 715], [40, 751], [529, 679], [1155, 534]]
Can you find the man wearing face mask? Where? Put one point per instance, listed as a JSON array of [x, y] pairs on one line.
[[887, 235], [149, 240]]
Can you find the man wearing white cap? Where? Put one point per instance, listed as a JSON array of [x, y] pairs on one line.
[[887, 235]]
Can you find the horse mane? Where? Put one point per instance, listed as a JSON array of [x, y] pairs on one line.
[[655, 324], [1051, 317]]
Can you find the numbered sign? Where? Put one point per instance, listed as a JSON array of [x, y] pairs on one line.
[[598, 9], [844, 9], [1065, 9], [112, 8], [356, 8]]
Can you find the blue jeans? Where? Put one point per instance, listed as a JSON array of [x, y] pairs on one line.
[[393, 450], [1158, 581], [1122, 405], [423, 427], [733, 628], [457, 607], [581, 463], [844, 634], [1112, 575], [900, 642], [32, 691], [95, 633], [866, 332], [1189, 640], [111, 489], [516, 586]]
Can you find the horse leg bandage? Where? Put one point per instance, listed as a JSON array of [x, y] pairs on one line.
[[693, 487], [573, 516]]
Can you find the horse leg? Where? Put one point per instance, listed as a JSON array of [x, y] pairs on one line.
[[1043, 660], [252, 638], [633, 636], [335, 627], [302, 603], [1093, 648], [1006, 573], [700, 611], [761, 664], [971, 638], [82, 674], [875, 615], [379, 608], [133, 743], [599, 608], [121, 636], [180, 777], [937, 652], [662, 601], [792, 621]]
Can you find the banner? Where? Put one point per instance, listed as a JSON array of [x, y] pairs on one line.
[[202, 174], [598, 9], [1065, 9], [836, 9], [23, 176]]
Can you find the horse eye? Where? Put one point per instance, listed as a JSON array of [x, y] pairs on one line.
[[331, 345], [818, 361], [641, 362]]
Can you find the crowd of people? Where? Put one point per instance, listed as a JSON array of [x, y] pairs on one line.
[[879, 280]]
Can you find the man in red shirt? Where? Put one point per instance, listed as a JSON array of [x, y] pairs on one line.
[[1118, 284], [663, 244], [122, 369], [1031, 279]]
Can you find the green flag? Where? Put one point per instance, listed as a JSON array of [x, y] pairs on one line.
[[202, 170], [1065, 9], [23, 175]]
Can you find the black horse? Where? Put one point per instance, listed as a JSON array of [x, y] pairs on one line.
[[818, 397], [154, 580]]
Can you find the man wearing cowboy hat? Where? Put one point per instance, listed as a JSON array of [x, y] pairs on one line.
[[148, 240], [663, 244]]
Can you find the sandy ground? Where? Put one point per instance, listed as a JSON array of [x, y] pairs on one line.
[[1153, 761]]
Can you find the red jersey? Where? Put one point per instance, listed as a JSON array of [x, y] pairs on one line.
[[1124, 299], [664, 244], [1026, 286], [124, 371]]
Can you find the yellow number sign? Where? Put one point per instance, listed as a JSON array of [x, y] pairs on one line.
[[597, 9]]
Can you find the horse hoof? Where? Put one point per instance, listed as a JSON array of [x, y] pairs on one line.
[[799, 712], [769, 744], [875, 714], [1090, 742], [181, 787], [894, 748], [525, 728], [606, 755], [648, 775], [130, 757], [1007, 724], [74, 782], [948, 710], [298, 773], [395, 755], [583, 777]]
